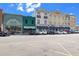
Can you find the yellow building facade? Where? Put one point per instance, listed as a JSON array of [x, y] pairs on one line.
[[56, 18]]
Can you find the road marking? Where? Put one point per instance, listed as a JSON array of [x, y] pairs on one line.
[[65, 49], [60, 53]]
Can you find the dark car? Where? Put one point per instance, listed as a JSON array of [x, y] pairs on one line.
[[51, 32], [4, 34], [32, 33]]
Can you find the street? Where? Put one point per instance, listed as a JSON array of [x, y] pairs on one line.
[[40, 45]]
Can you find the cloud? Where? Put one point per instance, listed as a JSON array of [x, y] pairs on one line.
[[29, 7], [35, 5], [71, 13], [20, 7]]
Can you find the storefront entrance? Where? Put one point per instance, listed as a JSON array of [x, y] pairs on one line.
[[14, 29]]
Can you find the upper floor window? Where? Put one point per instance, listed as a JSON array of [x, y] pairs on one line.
[[26, 21], [32, 21], [38, 16], [45, 17], [38, 21], [45, 21]]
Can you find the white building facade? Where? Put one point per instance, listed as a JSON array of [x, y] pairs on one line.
[[41, 20]]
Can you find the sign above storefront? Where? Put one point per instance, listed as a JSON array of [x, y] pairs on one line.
[[29, 27]]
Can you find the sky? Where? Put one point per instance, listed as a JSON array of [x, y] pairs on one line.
[[28, 8]]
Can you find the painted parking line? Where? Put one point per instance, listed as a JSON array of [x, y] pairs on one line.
[[61, 53], [64, 49]]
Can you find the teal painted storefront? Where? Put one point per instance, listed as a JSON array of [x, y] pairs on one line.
[[13, 22], [18, 23], [28, 24]]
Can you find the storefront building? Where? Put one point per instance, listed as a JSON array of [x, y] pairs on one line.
[[28, 24], [13, 23], [41, 20]]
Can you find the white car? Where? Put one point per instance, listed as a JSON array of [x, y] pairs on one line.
[[42, 32], [61, 32]]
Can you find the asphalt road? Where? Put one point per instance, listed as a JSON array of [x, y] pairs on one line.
[[40, 45]]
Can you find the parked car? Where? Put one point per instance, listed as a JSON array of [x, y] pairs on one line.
[[32, 33], [76, 31], [44, 32], [64, 32], [50, 32], [72, 31], [60, 32], [67, 31], [4, 34], [41, 32]]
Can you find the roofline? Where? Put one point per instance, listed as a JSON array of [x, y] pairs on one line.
[[13, 14], [27, 16]]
